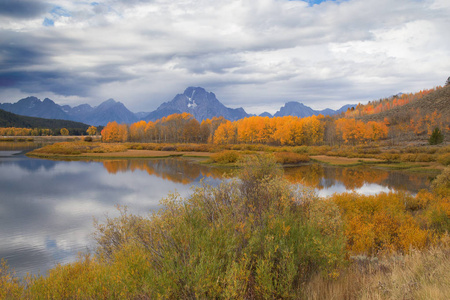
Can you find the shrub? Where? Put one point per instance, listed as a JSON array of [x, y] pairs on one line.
[[168, 148], [88, 139], [225, 157], [290, 158], [444, 159], [390, 157], [441, 185], [422, 157], [247, 238]]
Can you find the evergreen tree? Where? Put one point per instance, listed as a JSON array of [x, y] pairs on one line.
[[436, 137]]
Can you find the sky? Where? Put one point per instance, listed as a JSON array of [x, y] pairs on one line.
[[255, 54]]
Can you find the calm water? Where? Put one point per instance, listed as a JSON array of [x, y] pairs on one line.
[[47, 207]]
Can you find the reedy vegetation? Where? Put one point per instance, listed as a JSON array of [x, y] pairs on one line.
[[255, 237]]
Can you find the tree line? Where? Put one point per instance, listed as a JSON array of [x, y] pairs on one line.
[[288, 130]]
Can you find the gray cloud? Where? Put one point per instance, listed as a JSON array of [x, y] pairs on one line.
[[22, 8], [249, 53]]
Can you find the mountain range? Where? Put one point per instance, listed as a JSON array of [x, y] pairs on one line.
[[108, 111], [194, 100]]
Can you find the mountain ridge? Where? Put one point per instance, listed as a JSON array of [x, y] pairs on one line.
[[107, 111], [194, 100], [198, 102]]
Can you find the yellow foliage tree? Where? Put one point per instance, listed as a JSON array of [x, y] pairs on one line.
[[64, 131], [92, 130]]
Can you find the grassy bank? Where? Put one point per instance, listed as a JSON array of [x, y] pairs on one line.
[[415, 159], [260, 237]]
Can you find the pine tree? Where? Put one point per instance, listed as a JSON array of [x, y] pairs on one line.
[[436, 137], [447, 82]]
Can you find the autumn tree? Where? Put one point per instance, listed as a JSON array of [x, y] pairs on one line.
[[64, 131], [225, 134], [137, 131], [92, 130], [113, 132]]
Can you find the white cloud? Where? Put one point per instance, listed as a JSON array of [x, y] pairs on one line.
[[249, 53]]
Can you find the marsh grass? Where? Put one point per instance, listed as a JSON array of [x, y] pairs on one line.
[[418, 275]]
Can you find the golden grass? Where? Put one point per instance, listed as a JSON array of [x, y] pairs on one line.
[[337, 160], [418, 275], [146, 153]]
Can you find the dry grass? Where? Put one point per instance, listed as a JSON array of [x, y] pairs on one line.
[[418, 275], [335, 160], [147, 153]]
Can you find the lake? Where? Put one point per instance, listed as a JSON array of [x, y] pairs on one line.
[[47, 207]]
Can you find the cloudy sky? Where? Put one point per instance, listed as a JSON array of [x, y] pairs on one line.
[[255, 54]]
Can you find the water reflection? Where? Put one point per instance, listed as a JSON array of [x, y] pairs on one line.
[[47, 207], [328, 179], [177, 170]]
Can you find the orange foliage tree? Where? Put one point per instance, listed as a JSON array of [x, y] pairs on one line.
[[113, 132]]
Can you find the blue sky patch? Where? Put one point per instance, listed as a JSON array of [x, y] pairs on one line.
[[313, 2], [60, 12], [48, 22]]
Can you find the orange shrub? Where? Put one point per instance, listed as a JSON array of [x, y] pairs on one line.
[[379, 223]]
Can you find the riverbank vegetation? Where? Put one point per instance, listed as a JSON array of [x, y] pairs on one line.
[[423, 157], [259, 237]]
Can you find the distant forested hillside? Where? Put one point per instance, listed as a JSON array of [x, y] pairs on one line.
[[8, 119]]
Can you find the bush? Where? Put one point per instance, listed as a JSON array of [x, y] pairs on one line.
[[225, 157], [88, 139], [444, 159], [422, 157], [168, 148], [290, 158], [441, 185]]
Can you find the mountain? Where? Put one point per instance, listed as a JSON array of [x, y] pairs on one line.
[[8, 119], [198, 102], [108, 111], [266, 114], [300, 110], [33, 107], [195, 100]]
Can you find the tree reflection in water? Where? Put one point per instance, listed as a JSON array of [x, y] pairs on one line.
[[178, 170], [318, 176]]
